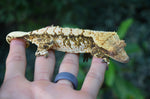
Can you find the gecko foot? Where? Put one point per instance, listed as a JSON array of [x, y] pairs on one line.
[[42, 53]]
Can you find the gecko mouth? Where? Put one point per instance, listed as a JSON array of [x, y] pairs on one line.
[[121, 56]]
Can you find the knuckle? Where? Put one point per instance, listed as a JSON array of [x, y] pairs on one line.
[[96, 76], [14, 78], [42, 76], [18, 57], [15, 57], [69, 61], [43, 73]]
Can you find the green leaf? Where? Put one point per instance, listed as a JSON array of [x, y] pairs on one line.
[[126, 90], [110, 74], [123, 28], [132, 48], [80, 77]]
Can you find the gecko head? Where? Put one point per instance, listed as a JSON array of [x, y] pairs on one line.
[[118, 53], [16, 34], [112, 45]]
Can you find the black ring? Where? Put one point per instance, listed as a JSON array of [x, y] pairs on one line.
[[67, 76]]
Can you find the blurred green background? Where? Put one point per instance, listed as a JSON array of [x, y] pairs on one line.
[[130, 18]]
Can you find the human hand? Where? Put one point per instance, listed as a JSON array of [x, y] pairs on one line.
[[16, 86]]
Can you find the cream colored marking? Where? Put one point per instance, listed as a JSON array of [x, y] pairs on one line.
[[57, 30], [40, 31], [77, 32], [66, 31], [51, 30], [87, 33]]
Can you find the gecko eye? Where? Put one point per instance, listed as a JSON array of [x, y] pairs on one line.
[[122, 44]]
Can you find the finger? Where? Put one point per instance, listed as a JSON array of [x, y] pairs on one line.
[[44, 67], [95, 77], [16, 60], [69, 64]]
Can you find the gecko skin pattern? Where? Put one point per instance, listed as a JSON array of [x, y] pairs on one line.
[[98, 43]]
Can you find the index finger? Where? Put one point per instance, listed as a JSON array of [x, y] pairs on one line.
[[95, 77], [16, 60]]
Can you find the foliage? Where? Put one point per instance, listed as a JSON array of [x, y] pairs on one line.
[[122, 88], [124, 27]]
